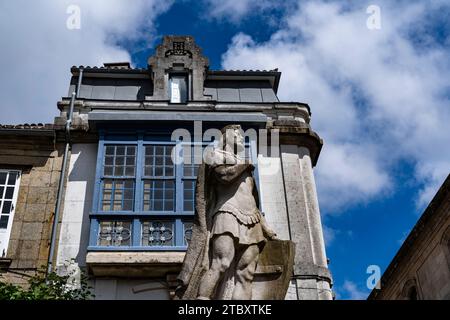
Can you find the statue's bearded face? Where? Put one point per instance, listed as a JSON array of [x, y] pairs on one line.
[[235, 139]]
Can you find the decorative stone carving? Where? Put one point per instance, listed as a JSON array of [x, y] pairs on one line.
[[178, 54], [232, 250]]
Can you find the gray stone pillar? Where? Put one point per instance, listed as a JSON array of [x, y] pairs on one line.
[[311, 278]]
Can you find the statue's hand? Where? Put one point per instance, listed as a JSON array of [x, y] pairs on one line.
[[270, 234]]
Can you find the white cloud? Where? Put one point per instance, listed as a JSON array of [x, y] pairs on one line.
[[38, 49], [375, 97], [329, 235], [352, 292]]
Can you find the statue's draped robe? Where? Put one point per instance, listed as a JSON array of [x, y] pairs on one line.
[[197, 259]]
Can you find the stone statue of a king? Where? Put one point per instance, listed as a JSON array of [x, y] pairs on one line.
[[229, 231]]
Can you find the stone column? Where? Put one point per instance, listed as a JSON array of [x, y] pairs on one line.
[[311, 279]]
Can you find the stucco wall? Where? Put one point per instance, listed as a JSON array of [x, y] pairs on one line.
[[74, 235]]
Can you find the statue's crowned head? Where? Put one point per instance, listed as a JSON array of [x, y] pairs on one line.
[[232, 137]]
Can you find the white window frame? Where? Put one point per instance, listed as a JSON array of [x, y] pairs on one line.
[[6, 233]]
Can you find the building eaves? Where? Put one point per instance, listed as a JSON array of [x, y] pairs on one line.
[[275, 74], [28, 129], [88, 69]]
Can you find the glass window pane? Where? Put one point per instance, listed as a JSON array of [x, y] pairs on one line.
[[159, 150], [107, 195], [158, 233], [168, 205], [149, 150], [159, 195], [118, 195], [128, 194], [131, 150], [128, 205], [169, 171], [117, 206], [120, 150], [128, 184], [106, 205], [9, 193], [109, 160], [129, 171], [118, 171], [108, 171], [159, 171], [158, 205], [107, 184], [158, 161], [6, 207], [178, 89], [114, 233], [3, 177], [120, 161], [188, 195], [12, 178], [4, 222], [188, 206], [109, 150]]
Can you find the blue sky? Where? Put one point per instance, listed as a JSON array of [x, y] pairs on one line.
[[379, 97]]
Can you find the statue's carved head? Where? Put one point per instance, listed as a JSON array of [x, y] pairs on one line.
[[233, 138]]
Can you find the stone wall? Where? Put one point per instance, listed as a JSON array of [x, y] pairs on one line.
[[39, 160], [422, 264]]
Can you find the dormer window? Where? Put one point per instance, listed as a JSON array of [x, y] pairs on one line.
[[178, 92]]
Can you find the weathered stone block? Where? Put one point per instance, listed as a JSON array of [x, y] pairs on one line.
[[40, 178], [54, 178], [31, 231], [52, 194], [13, 247], [38, 195], [43, 251], [29, 250], [16, 229], [23, 194], [35, 213], [27, 264]]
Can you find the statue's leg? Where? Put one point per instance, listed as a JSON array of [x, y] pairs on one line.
[[222, 256], [245, 271]]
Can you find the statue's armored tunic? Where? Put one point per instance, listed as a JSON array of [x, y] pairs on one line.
[[236, 211]]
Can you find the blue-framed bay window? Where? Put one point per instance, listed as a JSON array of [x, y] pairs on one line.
[[143, 200]]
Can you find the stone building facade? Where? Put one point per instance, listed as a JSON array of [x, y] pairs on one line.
[[421, 268], [128, 208], [30, 168]]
